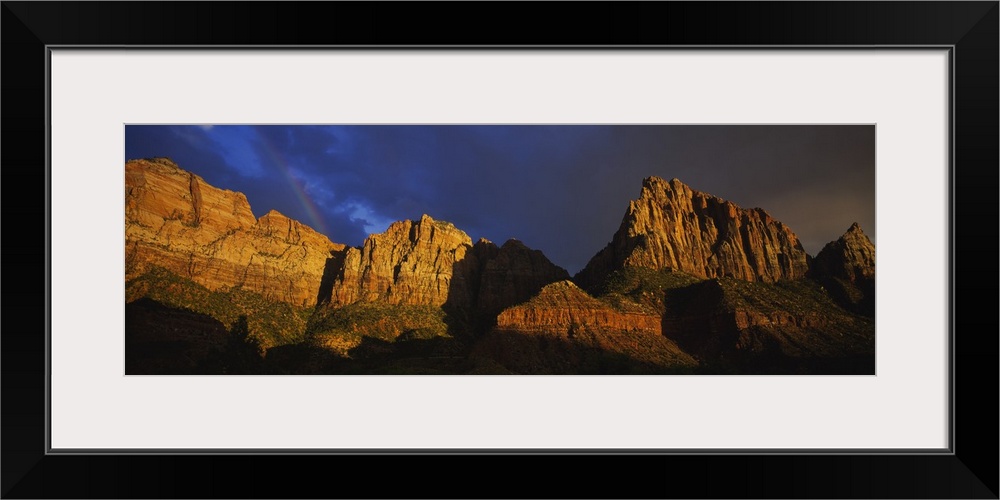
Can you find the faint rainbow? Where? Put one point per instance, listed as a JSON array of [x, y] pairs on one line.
[[315, 220]]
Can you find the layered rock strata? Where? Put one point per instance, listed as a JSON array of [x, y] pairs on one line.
[[563, 307], [564, 330], [177, 221], [430, 262], [412, 262], [671, 226]]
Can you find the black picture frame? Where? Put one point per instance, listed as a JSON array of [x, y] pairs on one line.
[[969, 28]]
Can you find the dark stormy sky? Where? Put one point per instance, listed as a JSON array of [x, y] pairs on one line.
[[561, 189]]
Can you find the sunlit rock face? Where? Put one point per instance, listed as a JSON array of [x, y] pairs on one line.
[[177, 221], [412, 263], [431, 262], [671, 226]]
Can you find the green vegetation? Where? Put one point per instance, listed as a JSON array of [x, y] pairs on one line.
[[627, 288], [384, 322], [797, 297], [270, 323], [789, 327]]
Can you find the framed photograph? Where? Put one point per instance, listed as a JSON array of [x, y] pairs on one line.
[[463, 282]]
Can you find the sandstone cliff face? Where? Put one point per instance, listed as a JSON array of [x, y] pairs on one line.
[[846, 267], [672, 226], [411, 263], [175, 220], [430, 262]]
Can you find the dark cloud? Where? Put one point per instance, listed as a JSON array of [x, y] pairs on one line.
[[561, 189]]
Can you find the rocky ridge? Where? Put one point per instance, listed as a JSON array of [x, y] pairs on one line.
[[562, 307], [564, 330], [177, 221], [411, 263], [430, 262], [686, 274], [512, 275], [671, 226], [846, 267]]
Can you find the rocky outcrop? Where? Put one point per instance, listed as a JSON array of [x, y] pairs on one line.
[[563, 308], [430, 262], [177, 221], [846, 268], [564, 330], [513, 274], [411, 263], [671, 226]]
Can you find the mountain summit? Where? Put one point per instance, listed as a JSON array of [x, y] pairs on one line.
[[431, 262], [846, 268], [671, 226]]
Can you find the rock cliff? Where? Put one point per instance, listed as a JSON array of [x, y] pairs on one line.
[[689, 282], [411, 263], [563, 308], [431, 262], [177, 221], [846, 268], [565, 330], [671, 226], [513, 275]]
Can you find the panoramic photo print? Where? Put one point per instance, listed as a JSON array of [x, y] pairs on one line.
[[499, 249]]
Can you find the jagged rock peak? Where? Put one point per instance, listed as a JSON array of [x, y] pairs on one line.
[[846, 268], [413, 262], [653, 182], [672, 226], [855, 232], [514, 243], [427, 219], [860, 250], [653, 185], [852, 256], [431, 262]]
